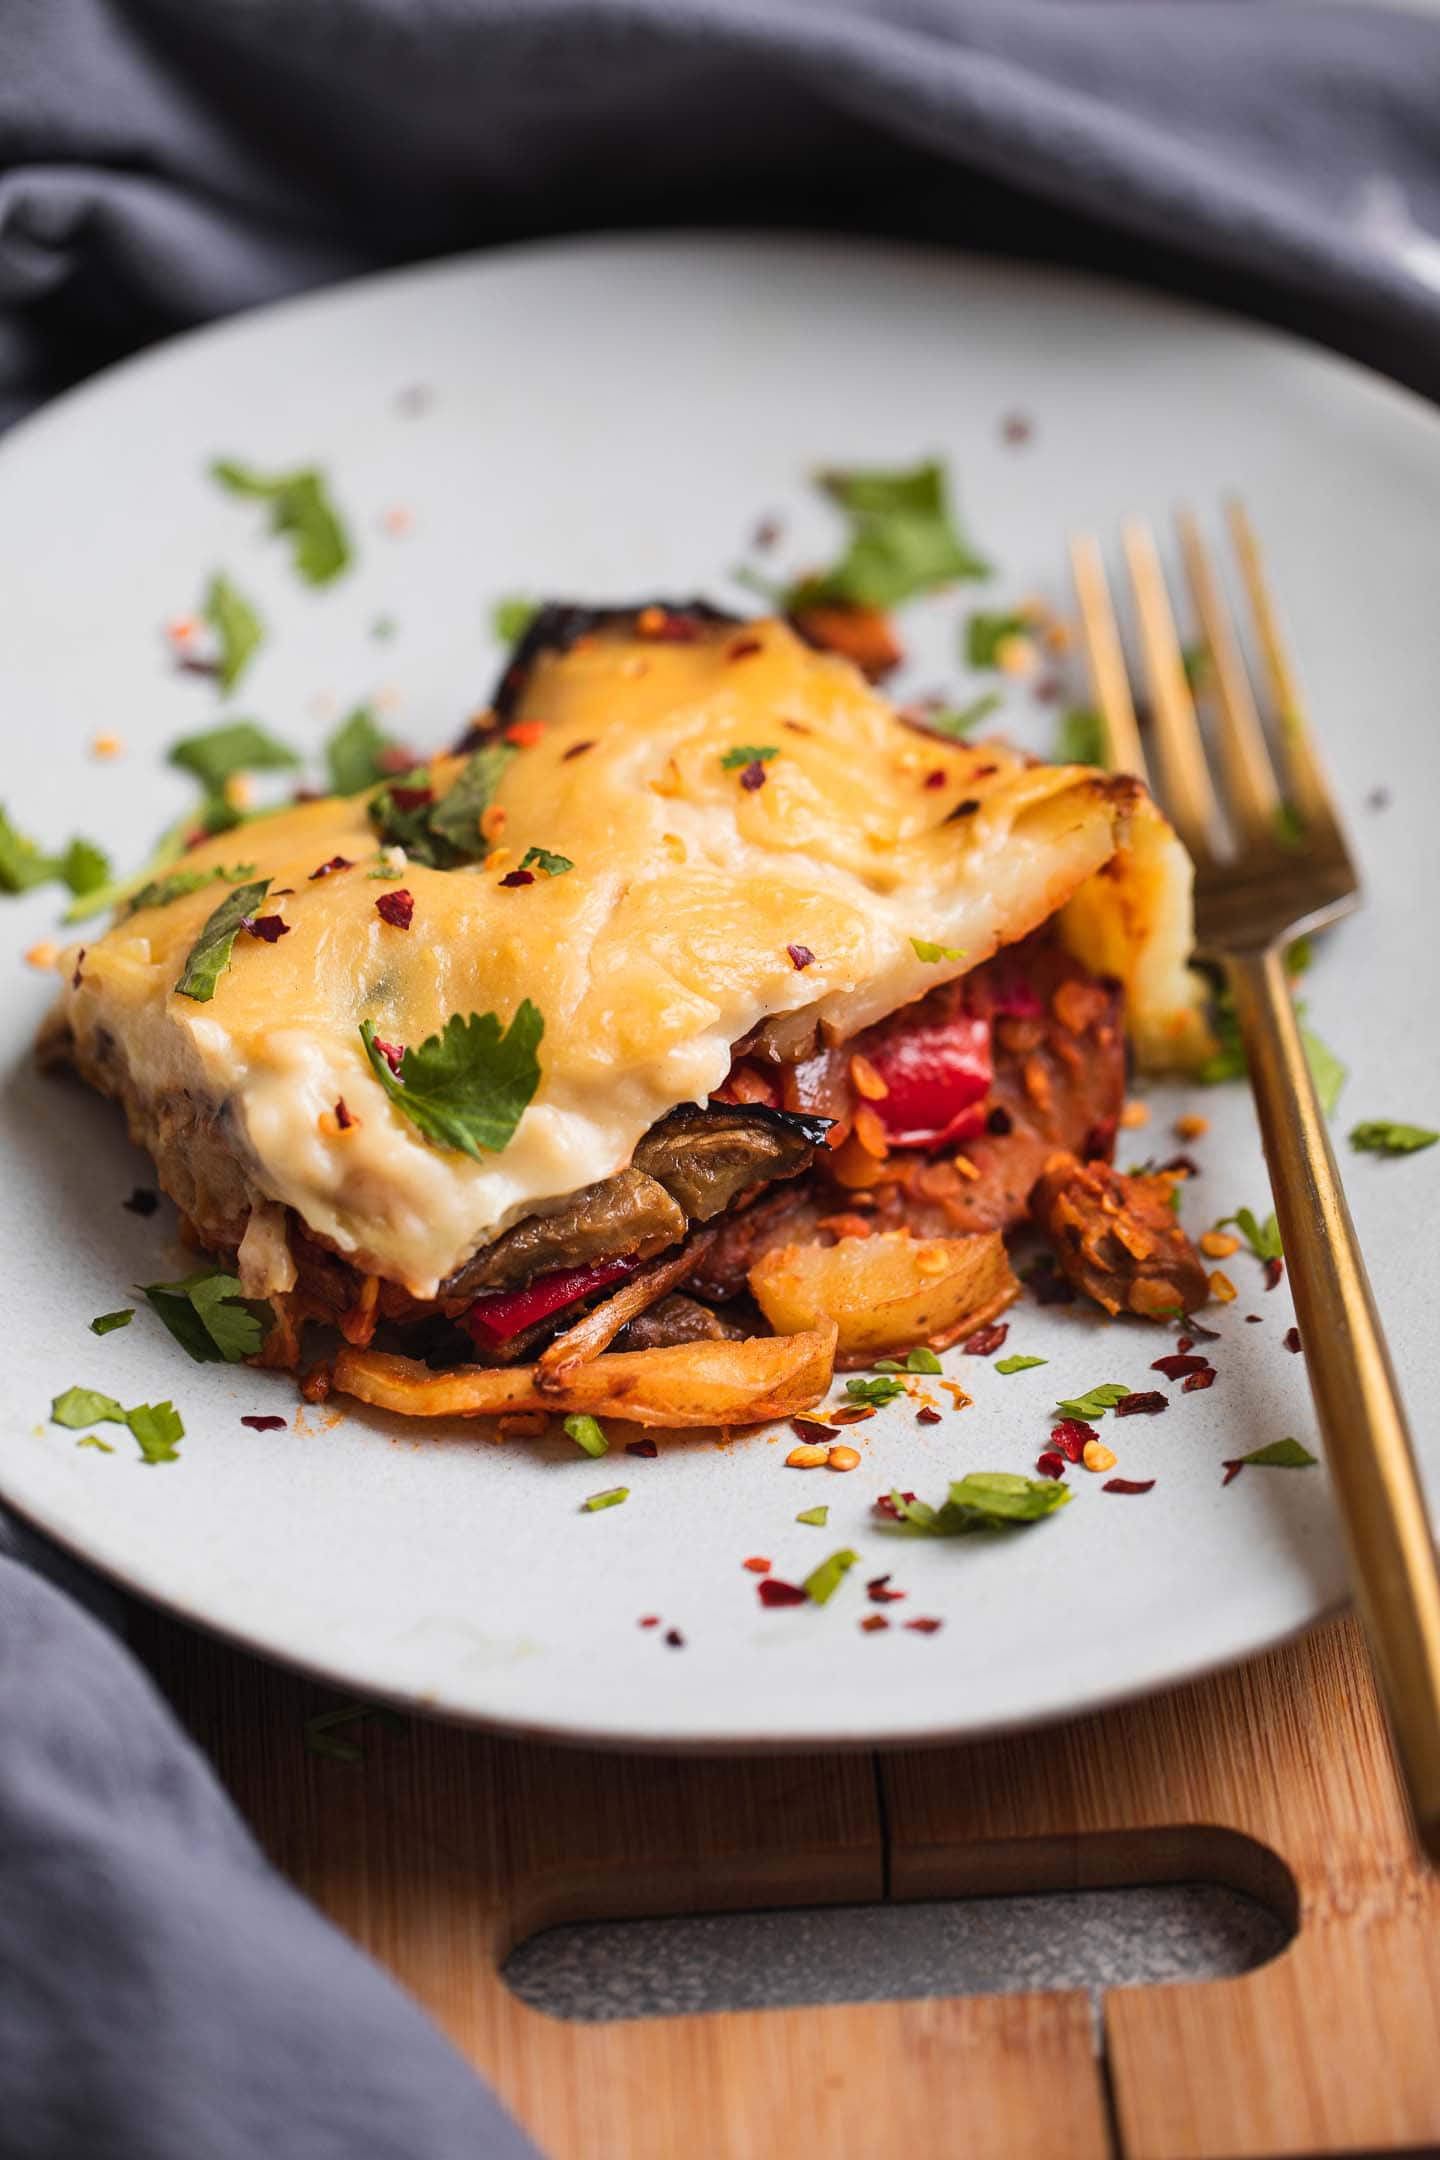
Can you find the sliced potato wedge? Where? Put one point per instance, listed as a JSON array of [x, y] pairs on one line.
[[701, 1383], [888, 1292]]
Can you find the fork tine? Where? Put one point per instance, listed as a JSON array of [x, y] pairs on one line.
[[1305, 780], [1252, 796], [1189, 795], [1109, 683]]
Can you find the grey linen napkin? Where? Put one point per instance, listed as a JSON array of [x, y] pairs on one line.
[[163, 1996]]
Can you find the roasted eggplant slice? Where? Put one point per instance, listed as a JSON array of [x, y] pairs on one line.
[[559, 624], [708, 1155], [617, 1218]]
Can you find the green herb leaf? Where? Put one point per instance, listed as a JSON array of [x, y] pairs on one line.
[[468, 1087], [612, 1498], [85, 1406], [542, 859], [1018, 1364], [218, 754], [903, 540], [94, 1440], [747, 754], [238, 630], [161, 891], [84, 868], [1262, 1238], [455, 819], [24, 865], [588, 1434], [1095, 1401], [985, 1500], [1198, 665], [1326, 1070], [354, 751], [1227, 1060], [817, 1517], [209, 956], [300, 508], [957, 721], [822, 1582], [985, 634], [1383, 1136], [1081, 737], [875, 1393], [511, 617], [918, 1360], [1281, 1455], [105, 1323], [932, 955], [209, 1317], [157, 1429]]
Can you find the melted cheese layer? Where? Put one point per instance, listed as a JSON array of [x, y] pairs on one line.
[[666, 943]]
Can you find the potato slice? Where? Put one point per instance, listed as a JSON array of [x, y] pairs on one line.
[[701, 1383], [888, 1292]]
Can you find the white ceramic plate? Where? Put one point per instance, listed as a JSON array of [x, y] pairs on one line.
[[610, 419]]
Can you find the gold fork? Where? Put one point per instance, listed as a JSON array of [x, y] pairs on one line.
[[1271, 863]]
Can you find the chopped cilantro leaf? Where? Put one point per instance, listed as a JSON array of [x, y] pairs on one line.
[[957, 721], [817, 1517], [454, 821], [588, 1434], [1016, 1363], [610, 1498], [823, 1581], [85, 1406], [23, 864], [84, 868], [94, 1440], [354, 752], [1262, 1238], [467, 1087], [209, 956], [1384, 1136], [985, 1500], [209, 1317], [875, 1393], [903, 540], [985, 634], [1081, 737], [747, 754], [238, 630], [918, 1360], [1281, 1455], [1227, 1060], [161, 891], [1326, 1070], [105, 1323], [300, 508], [217, 754], [1095, 1401], [932, 955], [552, 865], [511, 617], [157, 1428]]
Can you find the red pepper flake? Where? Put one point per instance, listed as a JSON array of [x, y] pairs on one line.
[[1128, 1484], [1071, 1436], [1254, 1319], [800, 956], [1142, 1405], [886, 1508], [1204, 1379], [393, 1053], [650, 1619], [75, 978], [879, 1592], [343, 1115], [264, 1424], [935, 779], [411, 798], [757, 1566], [1274, 1273], [339, 862], [1186, 1342], [1016, 428], [766, 535], [927, 1416], [985, 1339], [753, 776], [811, 1429], [999, 1122], [1050, 1464], [269, 928], [964, 809], [518, 877], [576, 749], [873, 1623], [396, 908], [1201, 1334], [142, 1201], [1176, 1368], [743, 647], [1232, 1470], [674, 1640], [647, 1448], [524, 734], [851, 1414], [774, 1592], [1291, 1339], [924, 1627]]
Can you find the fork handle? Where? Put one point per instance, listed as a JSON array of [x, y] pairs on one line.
[[1357, 1403]]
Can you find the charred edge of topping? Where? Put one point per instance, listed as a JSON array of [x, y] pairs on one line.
[[559, 624]]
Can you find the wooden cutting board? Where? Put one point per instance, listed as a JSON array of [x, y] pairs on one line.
[[445, 1848]]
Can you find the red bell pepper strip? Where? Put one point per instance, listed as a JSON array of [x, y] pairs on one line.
[[937, 1074], [504, 1313]]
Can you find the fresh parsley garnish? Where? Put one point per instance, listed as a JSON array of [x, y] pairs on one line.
[[817, 1517], [748, 754], [612, 1497], [210, 1317], [157, 1429], [588, 1434], [511, 617], [24, 865], [301, 509], [1095, 1401], [156, 1426], [957, 721], [1384, 1136], [1262, 1238], [1227, 1060], [985, 634], [823, 1581], [209, 956], [1080, 739], [985, 1500], [94, 1440], [903, 540], [1279, 1455], [161, 891], [85, 1406], [932, 955], [1016, 1363], [444, 833], [239, 632], [467, 1087], [354, 752], [874, 1393], [542, 859], [218, 754], [105, 1323], [917, 1360]]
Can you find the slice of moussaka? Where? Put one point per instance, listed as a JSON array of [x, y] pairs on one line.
[[699, 1023]]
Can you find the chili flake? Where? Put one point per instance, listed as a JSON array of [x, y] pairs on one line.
[[879, 1592], [744, 647], [674, 1640], [393, 1053], [756, 1566], [524, 734], [396, 908], [345, 1117], [1203, 1379], [800, 956], [753, 777], [339, 862], [873, 1623], [924, 1627], [576, 749], [1050, 1464], [649, 1619], [268, 928], [927, 1416], [647, 1448], [1072, 1436], [264, 1424], [986, 1339], [1291, 1339], [518, 877], [1141, 1405], [1178, 1367], [886, 1508], [774, 1592], [1274, 1273], [1128, 1485], [935, 779]]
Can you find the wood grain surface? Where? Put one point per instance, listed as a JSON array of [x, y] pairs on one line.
[[447, 1847]]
